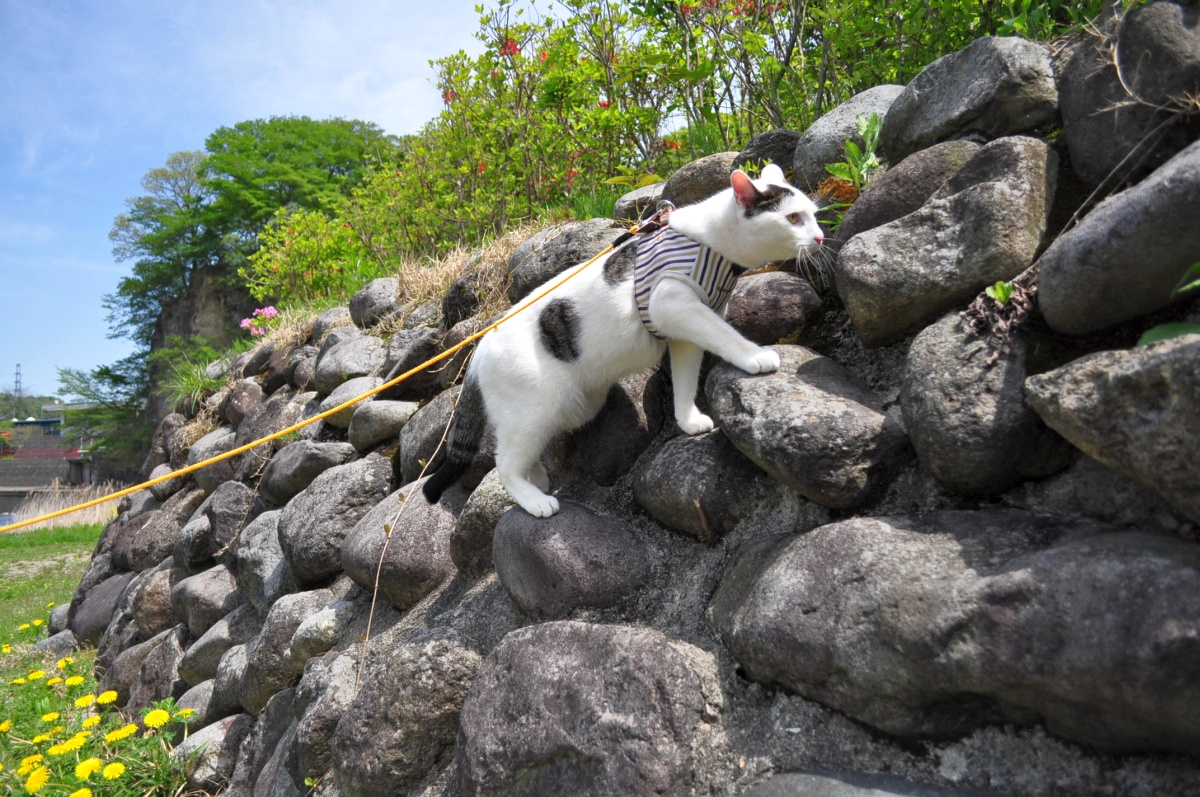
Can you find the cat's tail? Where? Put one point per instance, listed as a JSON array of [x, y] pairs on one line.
[[470, 420]]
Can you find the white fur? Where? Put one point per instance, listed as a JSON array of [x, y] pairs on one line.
[[531, 396]]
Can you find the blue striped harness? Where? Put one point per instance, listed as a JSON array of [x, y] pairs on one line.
[[667, 254]]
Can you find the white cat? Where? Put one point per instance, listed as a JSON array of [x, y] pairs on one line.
[[549, 368]]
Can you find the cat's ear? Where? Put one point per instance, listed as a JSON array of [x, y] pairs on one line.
[[773, 174], [743, 189]]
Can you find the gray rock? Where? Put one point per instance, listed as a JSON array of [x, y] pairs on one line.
[[705, 488], [1138, 412], [318, 634], [203, 656], [59, 618], [471, 538], [904, 187], [322, 699], [245, 396], [403, 723], [824, 142], [417, 559], [982, 226], [213, 444], [215, 750], [375, 302], [573, 708], [328, 321], [1156, 48], [407, 350], [636, 203], [123, 672], [165, 489], [632, 416], [768, 307], [377, 421], [253, 363], [96, 609], [967, 420], [850, 784], [212, 531], [278, 372], [297, 464], [203, 599], [230, 670], [279, 774], [420, 437], [315, 522], [347, 391], [151, 600], [992, 88], [155, 539], [62, 643], [573, 560], [301, 368], [936, 625], [357, 356], [774, 146], [266, 671], [158, 677], [699, 179], [282, 410], [262, 740], [562, 247], [199, 700], [1125, 257], [811, 425], [263, 572]]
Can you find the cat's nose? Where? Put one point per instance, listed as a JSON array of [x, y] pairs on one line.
[[819, 238]]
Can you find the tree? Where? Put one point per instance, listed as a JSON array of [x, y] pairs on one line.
[[117, 419]]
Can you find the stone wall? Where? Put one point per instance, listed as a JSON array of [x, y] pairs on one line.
[[914, 560]]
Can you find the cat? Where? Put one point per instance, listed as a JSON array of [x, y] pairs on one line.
[[549, 368]]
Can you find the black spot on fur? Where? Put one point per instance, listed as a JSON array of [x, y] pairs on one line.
[[559, 324], [619, 266], [768, 200]]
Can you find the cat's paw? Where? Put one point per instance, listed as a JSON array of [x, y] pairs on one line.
[[695, 422], [543, 506], [763, 362]]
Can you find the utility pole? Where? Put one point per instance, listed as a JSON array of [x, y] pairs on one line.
[[17, 395]]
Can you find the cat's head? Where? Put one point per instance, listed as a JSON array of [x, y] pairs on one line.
[[779, 218]]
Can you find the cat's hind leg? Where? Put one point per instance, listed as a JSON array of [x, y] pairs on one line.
[[685, 376], [677, 311], [518, 465], [539, 477]]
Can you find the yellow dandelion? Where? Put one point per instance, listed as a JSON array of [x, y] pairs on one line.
[[54, 681], [114, 770], [64, 662], [184, 713], [5, 726], [91, 721], [51, 605], [88, 767], [16, 682], [51, 717], [45, 737], [85, 701], [104, 698], [6, 648], [37, 779], [39, 623], [29, 762], [84, 792], [23, 627], [74, 680], [123, 732], [57, 729], [57, 749], [70, 745], [157, 718], [36, 674]]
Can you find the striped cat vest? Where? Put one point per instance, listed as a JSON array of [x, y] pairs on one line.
[[667, 254]]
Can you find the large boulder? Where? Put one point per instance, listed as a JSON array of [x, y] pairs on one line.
[[158, 677], [97, 606], [556, 250], [266, 670], [631, 417], [773, 146], [212, 531], [932, 626], [203, 599], [982, 226], [377, 421], [263, 572], [768, 307], [994, 87], [154, 540], [211, 752], [349, 390], [360, 355], [376, 301], [203, 656], [1127, 255], [213, 444], [811, 425], [1138, 412], [297, 464], [700, 179], [472, 536], [282, 410], [825, 140], [573, 708], [421, 438], [315, 522]]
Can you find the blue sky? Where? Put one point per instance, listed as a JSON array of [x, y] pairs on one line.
[[93, 95]]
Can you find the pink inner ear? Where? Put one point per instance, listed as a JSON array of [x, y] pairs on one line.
[[743, 190]]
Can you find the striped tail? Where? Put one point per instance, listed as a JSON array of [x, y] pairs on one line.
[[470, 420]]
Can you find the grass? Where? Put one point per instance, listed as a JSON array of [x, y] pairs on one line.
[[58, 496], [41, 566]]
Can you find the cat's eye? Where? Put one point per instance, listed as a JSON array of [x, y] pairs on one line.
[[795, 218]]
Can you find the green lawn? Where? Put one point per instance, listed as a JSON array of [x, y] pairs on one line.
[[39, 567]]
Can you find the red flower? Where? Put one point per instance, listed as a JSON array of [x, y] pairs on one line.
[[496, 73], [571, 175], [543, 55], [509, 47], [603, 103], [481, 168], [449, 96]]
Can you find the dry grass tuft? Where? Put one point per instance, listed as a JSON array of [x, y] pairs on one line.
[[59, 496]]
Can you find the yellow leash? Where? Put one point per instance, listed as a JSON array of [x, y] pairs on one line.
[[391, 383]]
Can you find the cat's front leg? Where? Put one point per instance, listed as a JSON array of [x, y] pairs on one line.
[[685, 376], [679, 314]]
